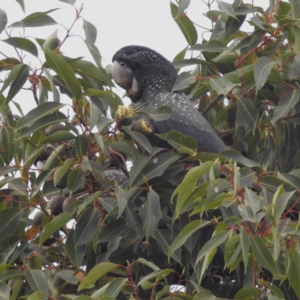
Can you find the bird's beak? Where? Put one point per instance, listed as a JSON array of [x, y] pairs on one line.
[[122, 76]]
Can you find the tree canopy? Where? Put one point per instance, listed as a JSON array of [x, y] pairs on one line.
[[109, 216]]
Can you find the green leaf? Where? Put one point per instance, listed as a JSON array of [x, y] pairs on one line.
[[23, 44], [185, 233], [139, 138], [183, 5], [43, 176], [4, 291], [254, 201], [160, 113], [248, 293], [115, 286], [158, 275], [184, 80], [121, 196], [7, 143], [210, 46], [95, 54], [232, 251], [281, 205], [291, 180], [232, 155], [74, 252], [187, 186], [221, 85], [226, 57], [37, 281], [112, 230], [226, 8], [21, 3], [90, 31], [154, 169], [38, 113], [68, 276], [285, 104], [64, 71], [17, 287], [9, 221], [12, 75], [55, 158], [95, 113], [213, 243], [283, 9], [76, 180], [52, 41], [36, 20], [53, 118], [218, 200], [262, 69], [3, 20], [56, 95], [262, 254], [276, 291], [10, 274], [183, 143], [111, 290], [246, 114], [81, 145], [71, 2], [20, 74], [8, 63], [97, 272], [151, 213], [293, 270], [221, 116], [125, 148], [86, 68], [295, 8], [245, 244], [56, 137], [295, 69], [55, 224], [86, 226], [296, 40], [233, 24], [165, 240], [185, 25], [246, 213], [35, 296], [148, 263], [289, 148]]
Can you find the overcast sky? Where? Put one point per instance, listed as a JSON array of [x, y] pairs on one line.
[[119, 23]]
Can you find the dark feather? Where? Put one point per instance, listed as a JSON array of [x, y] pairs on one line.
[[155, 77]]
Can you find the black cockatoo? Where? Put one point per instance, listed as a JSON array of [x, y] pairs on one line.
[[148, 79]]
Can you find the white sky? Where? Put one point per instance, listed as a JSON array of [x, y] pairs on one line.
[[119, 23]]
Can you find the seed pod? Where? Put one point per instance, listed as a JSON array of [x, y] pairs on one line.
[[68, 201], [54, 128], [55, 204], [38, 218]]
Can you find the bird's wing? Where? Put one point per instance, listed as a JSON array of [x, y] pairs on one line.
[[186, 119]]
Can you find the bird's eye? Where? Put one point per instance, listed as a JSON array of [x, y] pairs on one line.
[[122, 64]]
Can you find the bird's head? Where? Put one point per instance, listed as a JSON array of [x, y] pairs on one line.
[[142, 72]]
